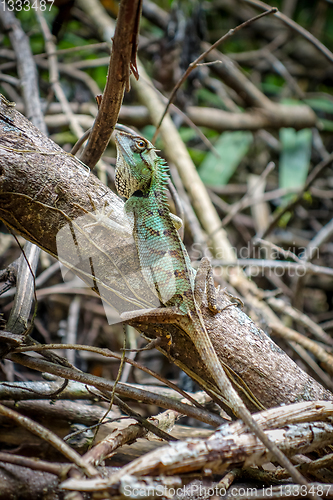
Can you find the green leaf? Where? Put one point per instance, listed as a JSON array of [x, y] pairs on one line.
[[64, 137], [284, 220], [99, 75], [187, 134], [232, 147], [326, 125], [197, 155], [208, 98], [294, 158], [320, 104]]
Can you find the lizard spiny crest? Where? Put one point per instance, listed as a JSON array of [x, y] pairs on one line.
[[138, 167]]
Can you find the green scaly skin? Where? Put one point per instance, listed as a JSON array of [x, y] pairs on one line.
[[141, 177]]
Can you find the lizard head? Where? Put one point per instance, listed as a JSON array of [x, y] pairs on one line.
[[136, 164]]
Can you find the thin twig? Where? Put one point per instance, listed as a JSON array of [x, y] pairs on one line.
[[122, 60], [243, 201], [54, 75], [185, 117], [50, 438], [109, 354], [32, 463], [317, 170], [287, 254], [122, 389], [300, 269], [291, 335], [71, 50], [296, 27], [195, 63], [321, 237]]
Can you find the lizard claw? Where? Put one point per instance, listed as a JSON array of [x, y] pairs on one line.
[[101, 217]]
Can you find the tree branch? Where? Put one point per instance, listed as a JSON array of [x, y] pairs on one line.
[[122, 58]]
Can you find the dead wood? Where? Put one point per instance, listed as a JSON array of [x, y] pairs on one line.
[[309, 428], [20, 482]]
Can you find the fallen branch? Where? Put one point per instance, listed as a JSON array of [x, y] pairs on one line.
[[225, 449]]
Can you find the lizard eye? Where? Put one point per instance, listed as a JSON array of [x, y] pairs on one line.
[[145, 171], [140, 145]]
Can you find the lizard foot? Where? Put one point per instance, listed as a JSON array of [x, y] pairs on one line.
[[102, 217], [155, 316], [216, 310], [238, 302], [151, 345]]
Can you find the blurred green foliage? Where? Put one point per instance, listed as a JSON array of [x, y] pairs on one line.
[[232, 147], [294, 158]]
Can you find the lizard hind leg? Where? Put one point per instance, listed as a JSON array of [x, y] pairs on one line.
[[200, 280], [204, 280]]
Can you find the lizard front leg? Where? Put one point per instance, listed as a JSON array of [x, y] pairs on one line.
[[155, 316], [178, 223], [102, 218], [204, 280]]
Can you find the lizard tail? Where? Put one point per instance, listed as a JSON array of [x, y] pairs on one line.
[[208, 355]]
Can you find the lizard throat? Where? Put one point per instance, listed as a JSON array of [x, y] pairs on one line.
[[140, 194]]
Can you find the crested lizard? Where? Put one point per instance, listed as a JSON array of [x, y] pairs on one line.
[[141, 177]]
